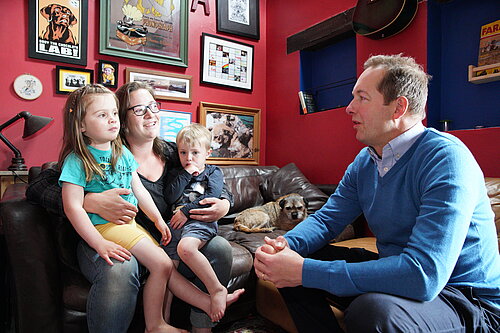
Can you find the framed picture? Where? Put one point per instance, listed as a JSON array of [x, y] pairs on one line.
[[169, 86], [56, 39], [107, 73], [226, 62], [235, 133], [171, 122], [69, 79], [145, 30], [239, 17]]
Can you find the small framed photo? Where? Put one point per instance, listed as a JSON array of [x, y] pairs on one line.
[[107, 73], [171, 122], [235, 133], [69, 79], [239, 17], [226, 62], [169, 86], [58, 30]]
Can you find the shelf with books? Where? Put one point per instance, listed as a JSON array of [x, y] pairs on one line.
[[484, 74]]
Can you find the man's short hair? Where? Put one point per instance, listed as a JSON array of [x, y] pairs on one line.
[[195, 134], [403, 77]]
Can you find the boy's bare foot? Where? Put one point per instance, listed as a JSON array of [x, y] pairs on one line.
[[233, 297], [218, 304]]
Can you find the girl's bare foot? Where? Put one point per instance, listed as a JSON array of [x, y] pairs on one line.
[[165, 329], [218, 304]]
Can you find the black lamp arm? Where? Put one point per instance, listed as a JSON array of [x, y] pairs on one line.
[[10, 145], [18, 116]]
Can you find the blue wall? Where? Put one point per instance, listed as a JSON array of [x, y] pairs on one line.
[[453, 44], [330, 73]]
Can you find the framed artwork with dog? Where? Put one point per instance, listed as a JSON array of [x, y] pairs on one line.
[[226, 62], [235, 133], [107, 73], [58, 30], [154, 31], [169, 86], [69, 79], [239, 17]]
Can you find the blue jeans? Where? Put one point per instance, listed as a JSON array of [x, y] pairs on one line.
[[112, 298]]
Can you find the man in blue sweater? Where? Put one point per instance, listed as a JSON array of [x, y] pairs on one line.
[[423, 196]]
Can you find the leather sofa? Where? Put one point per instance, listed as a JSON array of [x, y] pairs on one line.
[[47, 291]]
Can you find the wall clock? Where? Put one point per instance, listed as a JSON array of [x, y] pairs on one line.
[[28, 86]]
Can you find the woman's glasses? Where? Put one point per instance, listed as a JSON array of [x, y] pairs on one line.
[[140, 110]]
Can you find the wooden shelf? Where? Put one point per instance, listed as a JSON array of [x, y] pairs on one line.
[[483, 78], [11, 177]]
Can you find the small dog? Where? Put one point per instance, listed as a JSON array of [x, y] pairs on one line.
[[60, 19], [284, 213]]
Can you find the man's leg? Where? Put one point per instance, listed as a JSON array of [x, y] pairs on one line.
[[308, 307], [219, 253], [449, 312], [112, 298]]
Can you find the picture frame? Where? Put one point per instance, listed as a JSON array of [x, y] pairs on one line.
[[149, 32], [235, 133], [69, 44], [226, 62], [171, 122], [107, 73], [168, 86], [239, 17], [69, 79]]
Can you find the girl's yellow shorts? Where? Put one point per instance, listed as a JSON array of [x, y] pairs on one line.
[[126, 235]]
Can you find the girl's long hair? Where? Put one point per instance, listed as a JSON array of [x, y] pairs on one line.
[[123, 95], [74, 140]]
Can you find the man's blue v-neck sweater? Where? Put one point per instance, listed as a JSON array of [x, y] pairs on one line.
[[432, 219]]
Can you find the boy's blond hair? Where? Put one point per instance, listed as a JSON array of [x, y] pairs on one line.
[[194, 134]]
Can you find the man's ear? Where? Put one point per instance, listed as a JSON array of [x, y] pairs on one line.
[[401, 107]]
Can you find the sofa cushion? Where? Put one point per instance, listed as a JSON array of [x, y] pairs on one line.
[[289, 179], [244, 183]]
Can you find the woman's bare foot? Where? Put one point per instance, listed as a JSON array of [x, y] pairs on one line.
[[218, 304]]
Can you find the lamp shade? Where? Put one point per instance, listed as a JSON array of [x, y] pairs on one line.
[[33, 124]]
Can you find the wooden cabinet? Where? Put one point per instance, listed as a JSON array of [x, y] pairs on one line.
[[11, 177]]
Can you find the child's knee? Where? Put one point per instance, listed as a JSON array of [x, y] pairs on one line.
[[185, 251]]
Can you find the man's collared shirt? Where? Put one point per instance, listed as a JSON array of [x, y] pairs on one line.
[[396, 148]]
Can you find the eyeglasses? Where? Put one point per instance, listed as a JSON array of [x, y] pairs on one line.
[[140, 110]]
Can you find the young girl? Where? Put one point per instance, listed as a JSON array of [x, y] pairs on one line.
[[93, 159]]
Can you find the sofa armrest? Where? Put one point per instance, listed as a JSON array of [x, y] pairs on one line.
[[33, 263]]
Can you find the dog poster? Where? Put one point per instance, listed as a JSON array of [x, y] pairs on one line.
[[58, 30], [235, 133]]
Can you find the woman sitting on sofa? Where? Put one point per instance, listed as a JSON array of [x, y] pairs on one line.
[[108, 311]]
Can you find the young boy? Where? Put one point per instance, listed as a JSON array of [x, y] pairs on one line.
[[186, 187]]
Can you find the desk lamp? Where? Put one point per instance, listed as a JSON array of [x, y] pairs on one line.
[[32, 124]]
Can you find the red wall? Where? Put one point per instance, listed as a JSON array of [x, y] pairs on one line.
[[323, 144], [44, 146]]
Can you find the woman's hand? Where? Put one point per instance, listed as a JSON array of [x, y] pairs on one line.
[[218, 209], [178, 220], [108, 249], [166, 236], [110, 205]]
